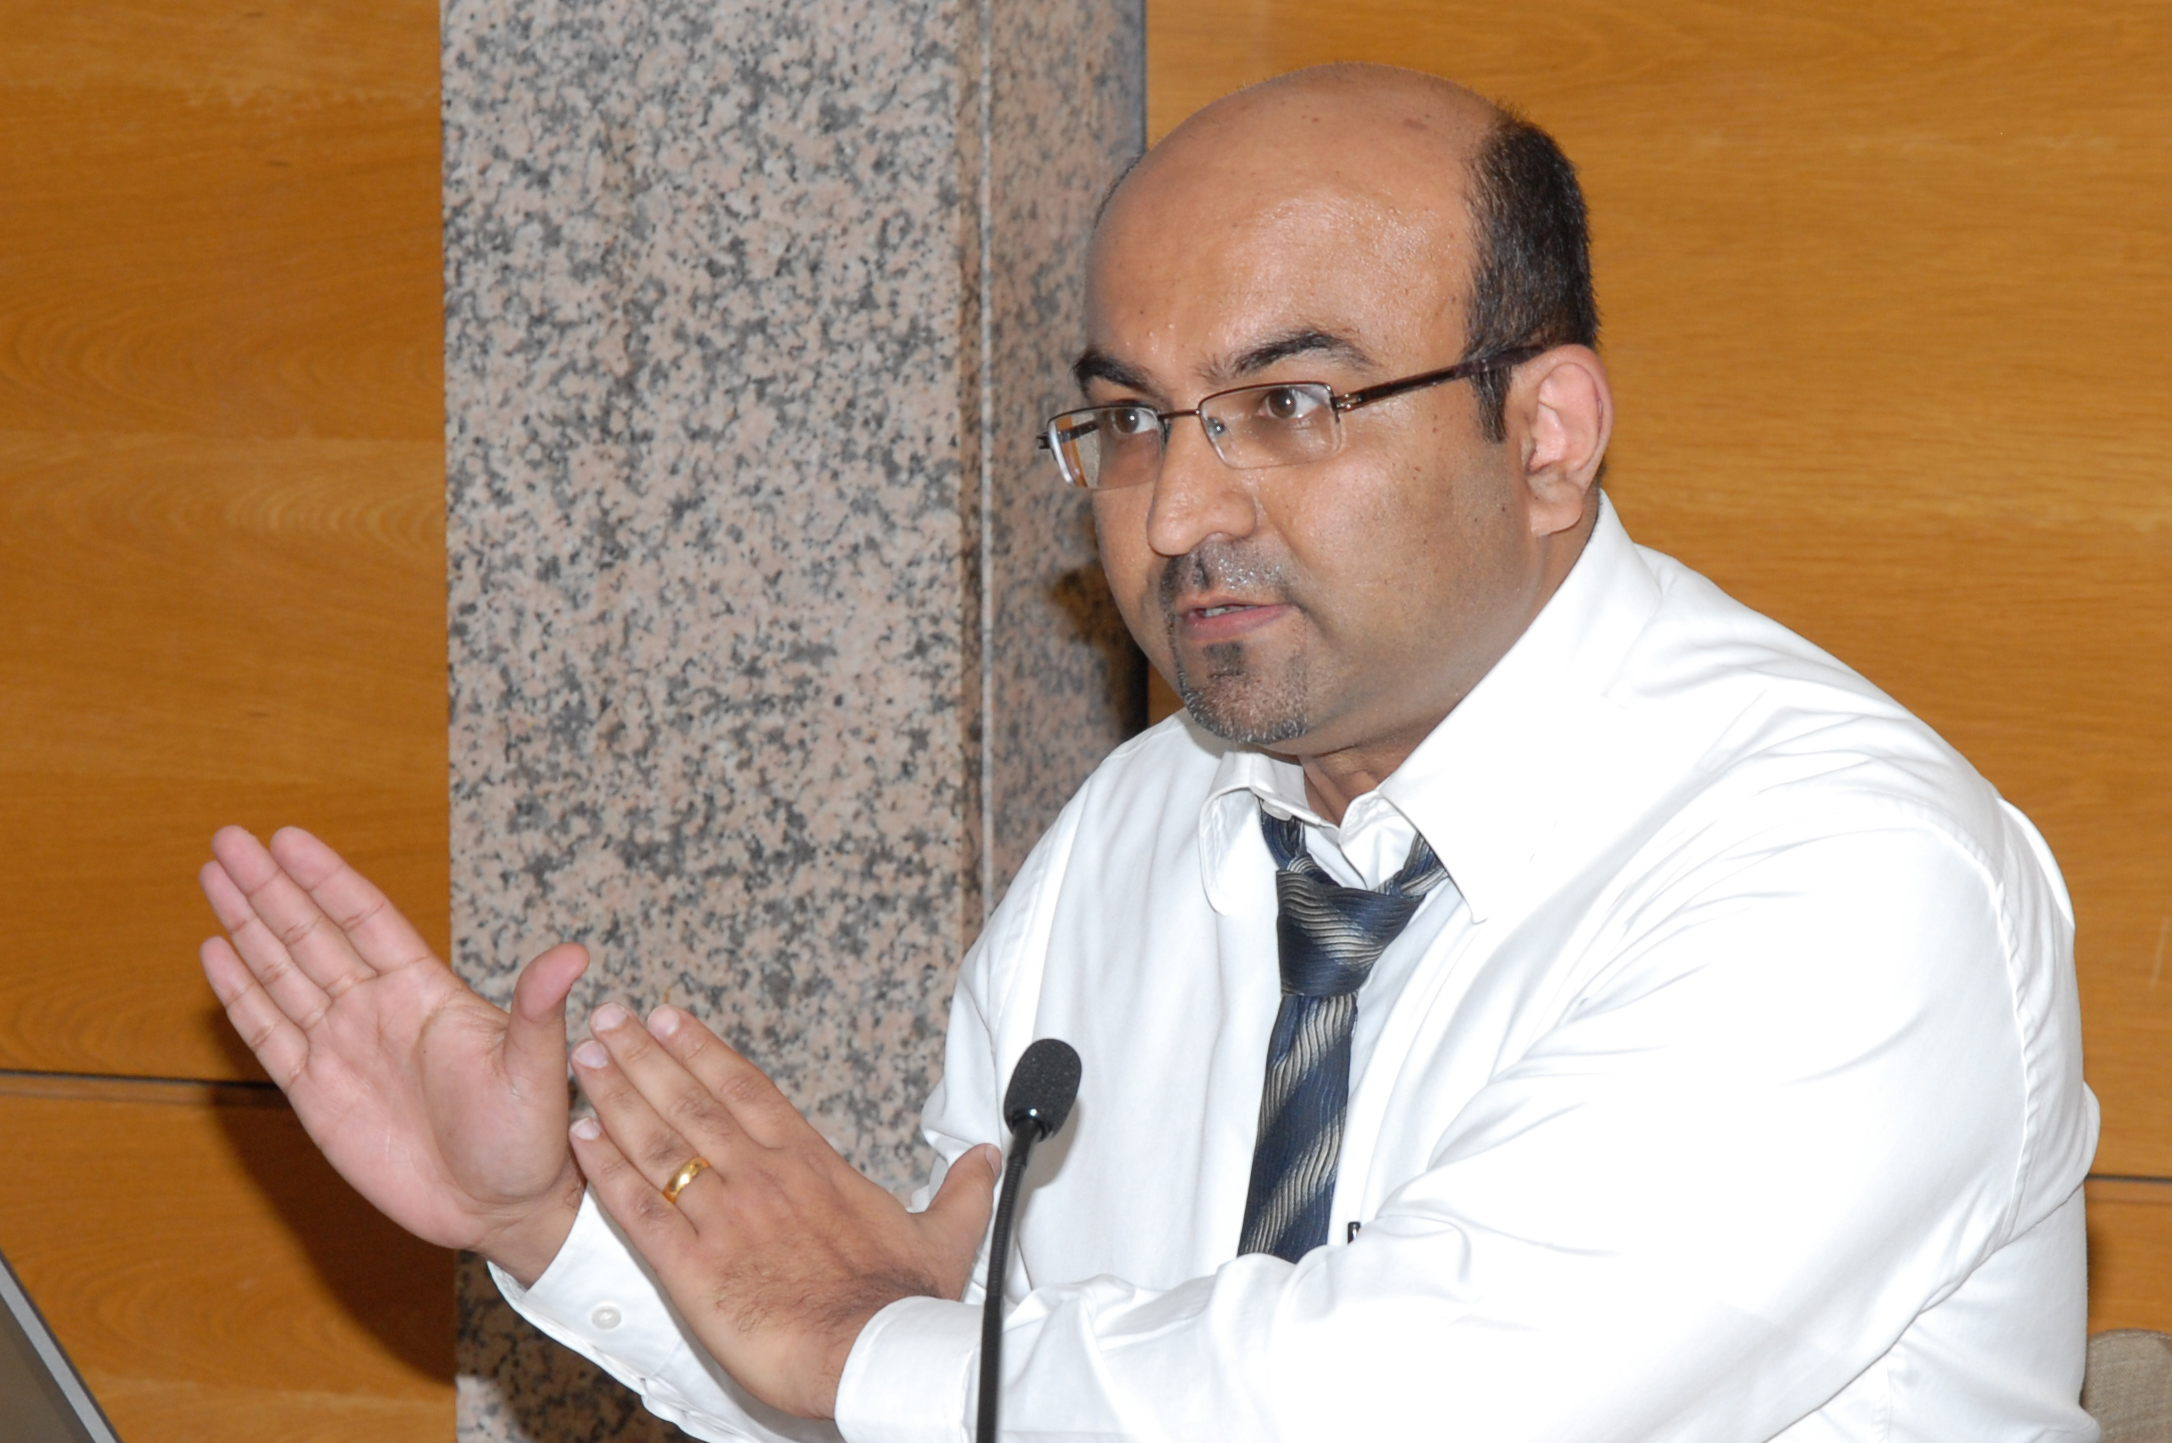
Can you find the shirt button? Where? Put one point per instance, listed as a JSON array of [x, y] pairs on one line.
[[606, 1316]]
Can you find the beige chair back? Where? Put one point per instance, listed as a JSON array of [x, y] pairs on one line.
[[2128, 1386]]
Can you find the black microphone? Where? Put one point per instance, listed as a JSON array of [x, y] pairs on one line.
[[1043, 1086]]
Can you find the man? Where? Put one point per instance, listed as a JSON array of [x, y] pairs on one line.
[[1673, 1038]]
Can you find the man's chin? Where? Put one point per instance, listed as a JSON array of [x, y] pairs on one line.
[[1241, 713]]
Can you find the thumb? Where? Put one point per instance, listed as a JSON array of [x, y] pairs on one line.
[[535, 1036], [958, 1214]]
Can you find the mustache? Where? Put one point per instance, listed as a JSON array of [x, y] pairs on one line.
[[1219, 566]]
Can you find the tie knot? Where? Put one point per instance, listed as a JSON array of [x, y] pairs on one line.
[[1332, 935]]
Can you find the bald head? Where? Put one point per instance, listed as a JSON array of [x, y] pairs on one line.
[[1353, 234], [1365, 161], [1480, 200], [1373, 125]]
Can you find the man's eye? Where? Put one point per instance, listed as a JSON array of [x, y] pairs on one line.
[[1129, 422], [1287, 403]]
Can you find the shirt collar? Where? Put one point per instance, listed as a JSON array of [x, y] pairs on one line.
[[1488, 785]]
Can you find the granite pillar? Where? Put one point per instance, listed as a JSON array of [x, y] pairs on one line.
[[772, 648]]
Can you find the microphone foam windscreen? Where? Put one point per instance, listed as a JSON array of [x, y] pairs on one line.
[[1043, 1086]]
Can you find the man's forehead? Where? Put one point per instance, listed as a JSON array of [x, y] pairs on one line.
[[1266, 219], [1332, 275]]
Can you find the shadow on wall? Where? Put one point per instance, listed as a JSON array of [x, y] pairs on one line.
[[209, 1022], [388, 1281], [1082, 595]]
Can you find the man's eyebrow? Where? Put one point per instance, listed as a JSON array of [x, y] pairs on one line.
[[1095, 364], [1310, 341]]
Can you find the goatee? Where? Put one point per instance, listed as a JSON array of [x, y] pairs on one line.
[[1234, 696]]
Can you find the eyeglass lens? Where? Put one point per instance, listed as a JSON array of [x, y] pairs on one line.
[[1250, 429]]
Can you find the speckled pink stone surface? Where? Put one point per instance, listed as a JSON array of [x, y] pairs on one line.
[[773, 649]]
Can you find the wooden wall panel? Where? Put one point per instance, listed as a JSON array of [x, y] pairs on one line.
[[1888, 301], [221, 489], [2130, 1255], [204, 630], [223, 219], [212, 1277], [222, 581]]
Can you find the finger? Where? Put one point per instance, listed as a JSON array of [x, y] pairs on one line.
[[305, 934], [535, 1037], [756, 1105], [650, 1145], [658, 1231], [278, 1044], [293, 991], [957, 1216], [674, 1094], [372, 926]]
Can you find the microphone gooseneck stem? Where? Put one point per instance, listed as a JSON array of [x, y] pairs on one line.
[[1023, 1137]]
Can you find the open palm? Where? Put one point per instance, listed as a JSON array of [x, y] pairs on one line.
[[447, 1113]]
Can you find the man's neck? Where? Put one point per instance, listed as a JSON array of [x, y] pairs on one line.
[[1334, 779]]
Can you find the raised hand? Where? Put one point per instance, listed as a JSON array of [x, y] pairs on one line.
[[780, 1252], [448, 1114]]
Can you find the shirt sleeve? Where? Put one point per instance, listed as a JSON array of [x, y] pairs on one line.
[[1789, 1103], [599, 1299]]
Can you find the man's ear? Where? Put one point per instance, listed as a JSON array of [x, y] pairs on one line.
[[1561, 413]]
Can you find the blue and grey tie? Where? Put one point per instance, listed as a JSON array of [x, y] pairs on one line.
[[1330, 938]]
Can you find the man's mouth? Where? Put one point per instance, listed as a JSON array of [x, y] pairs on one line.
[[1216, 596], [1226, 621]]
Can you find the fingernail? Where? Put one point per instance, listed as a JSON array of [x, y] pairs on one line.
[[587, 1129], [665, 1020], [590, 1054], [608, 1016]]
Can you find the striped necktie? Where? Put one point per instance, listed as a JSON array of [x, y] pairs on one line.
[[1330, 938]]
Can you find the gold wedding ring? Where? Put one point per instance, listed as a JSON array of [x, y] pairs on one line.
[[692, 1168]]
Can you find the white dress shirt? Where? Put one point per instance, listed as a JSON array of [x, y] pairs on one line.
[[1733, 1092]]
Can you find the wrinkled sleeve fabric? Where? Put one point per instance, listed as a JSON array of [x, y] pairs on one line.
[[1795, 1092]]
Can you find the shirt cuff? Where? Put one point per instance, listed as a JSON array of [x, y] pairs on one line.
[[910, 1375], [599, 1299], [595, 1293]]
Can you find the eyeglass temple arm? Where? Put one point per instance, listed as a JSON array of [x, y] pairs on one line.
[[1351, 400]]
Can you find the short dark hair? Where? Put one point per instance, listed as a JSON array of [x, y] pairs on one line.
[[1531, 276]]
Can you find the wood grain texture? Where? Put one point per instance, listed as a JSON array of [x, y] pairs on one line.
[[202, 631], [2130, 1255], [214, 1280], [1888, 298], [221, 490], [191, 249], [222, 49]]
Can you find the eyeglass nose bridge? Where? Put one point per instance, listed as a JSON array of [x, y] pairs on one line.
[[1216, 431], [1212, 429]]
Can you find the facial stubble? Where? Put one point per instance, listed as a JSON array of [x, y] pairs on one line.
[[1241, 695]]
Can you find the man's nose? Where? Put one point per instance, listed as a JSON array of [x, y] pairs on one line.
[[1196, 496]]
